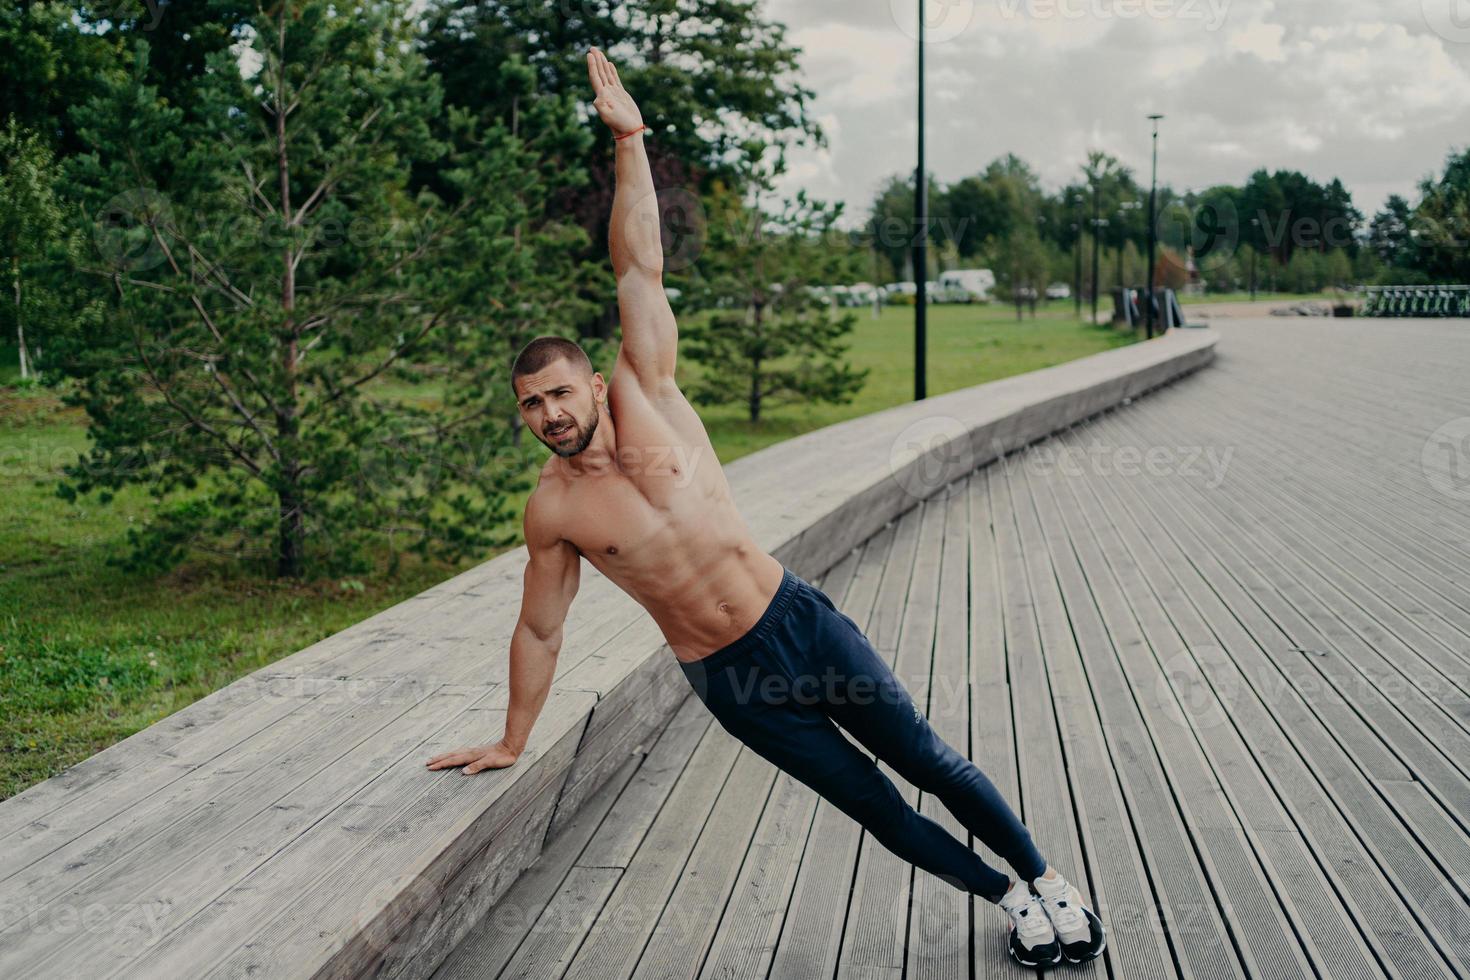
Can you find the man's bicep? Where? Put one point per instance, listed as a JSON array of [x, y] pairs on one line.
[[650, 335], [553, 573]]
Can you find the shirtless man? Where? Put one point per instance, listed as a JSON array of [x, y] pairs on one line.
[[633, 485]]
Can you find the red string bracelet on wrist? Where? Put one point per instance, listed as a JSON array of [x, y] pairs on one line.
[[630, 133]]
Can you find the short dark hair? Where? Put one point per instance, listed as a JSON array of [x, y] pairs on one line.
[[541, 351]]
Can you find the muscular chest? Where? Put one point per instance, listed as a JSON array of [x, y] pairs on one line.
[[611, 521], [621, 519], [667, 494]]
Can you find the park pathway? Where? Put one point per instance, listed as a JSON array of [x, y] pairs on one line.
[[1215, 647]]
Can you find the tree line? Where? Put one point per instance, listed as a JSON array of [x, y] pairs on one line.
[[1282, 227]]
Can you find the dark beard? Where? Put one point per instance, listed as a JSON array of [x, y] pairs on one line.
[[581, 443]]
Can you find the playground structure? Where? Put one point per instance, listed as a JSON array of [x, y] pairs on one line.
[[1128, 308]]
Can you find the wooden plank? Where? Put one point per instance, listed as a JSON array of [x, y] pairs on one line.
[[1251, 844], [143, 751], [592, 850], [686, 921], [873, 940], [175, 828], [1349, 579], [99, 794], [992, 732], [559, 930], [940, 915], [399, 848], [750, 924], [625, 923], [1310, 771], [1364, 664], [1095, 706], [541, 902], [1345, 668], [1045, 801], [810, 943], [1228, 392], [414, 615], [194, 925]]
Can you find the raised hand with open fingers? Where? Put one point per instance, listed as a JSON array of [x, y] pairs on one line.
[[613, 103]]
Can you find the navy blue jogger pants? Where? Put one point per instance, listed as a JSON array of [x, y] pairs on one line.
[[805, 665]]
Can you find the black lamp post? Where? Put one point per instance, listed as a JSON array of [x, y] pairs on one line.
[[1153, 231], [1077, 256], [921, 230], [1255, 223], [1097, 224]]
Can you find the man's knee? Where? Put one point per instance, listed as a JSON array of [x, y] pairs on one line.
[[932, 764], [865, 793]]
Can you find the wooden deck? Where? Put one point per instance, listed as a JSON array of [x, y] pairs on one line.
[[1217, 655]]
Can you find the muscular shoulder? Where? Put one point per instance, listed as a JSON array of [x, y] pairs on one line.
[[631, 399], [540, 522]]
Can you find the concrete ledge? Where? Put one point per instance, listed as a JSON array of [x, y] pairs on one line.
[[285, 825]]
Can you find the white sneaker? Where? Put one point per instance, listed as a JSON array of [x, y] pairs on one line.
[[1033, 941], [1078, 928]]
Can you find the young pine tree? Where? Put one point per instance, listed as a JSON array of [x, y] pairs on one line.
[[31, 233], [770, 339], [303, 355]]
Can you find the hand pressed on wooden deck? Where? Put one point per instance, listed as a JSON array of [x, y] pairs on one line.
[[495, 756]]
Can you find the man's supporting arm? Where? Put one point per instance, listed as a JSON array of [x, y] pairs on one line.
[[550, 581], [552, 576]]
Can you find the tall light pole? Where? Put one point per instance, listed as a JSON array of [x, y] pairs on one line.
[[1255, 223], [1153, 229], [921, 230], [1097, 226], [1077, 256]]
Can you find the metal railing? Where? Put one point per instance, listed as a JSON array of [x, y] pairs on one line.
[[1425, 301]]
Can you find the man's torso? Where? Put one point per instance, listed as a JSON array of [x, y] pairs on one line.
[[663, 526]]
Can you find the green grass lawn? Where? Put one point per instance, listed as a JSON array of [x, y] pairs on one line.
[[90, 654], [967, 345]]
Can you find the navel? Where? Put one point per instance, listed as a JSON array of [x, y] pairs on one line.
[[612, 549]]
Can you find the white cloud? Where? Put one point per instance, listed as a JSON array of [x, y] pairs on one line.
[[1364, 90], [1260, 39]]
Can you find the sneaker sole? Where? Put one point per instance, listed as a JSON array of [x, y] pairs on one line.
[[1089, 959], [1091, 956], [1037, 963]]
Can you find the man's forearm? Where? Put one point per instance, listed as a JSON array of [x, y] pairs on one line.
[[532, 669], [633, 238]]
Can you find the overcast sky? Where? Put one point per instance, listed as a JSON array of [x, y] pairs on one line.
[[1375, 92]]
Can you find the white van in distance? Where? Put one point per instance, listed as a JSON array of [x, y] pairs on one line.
[[967, 285]]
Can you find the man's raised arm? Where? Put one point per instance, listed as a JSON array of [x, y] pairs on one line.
[[650, 336]]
